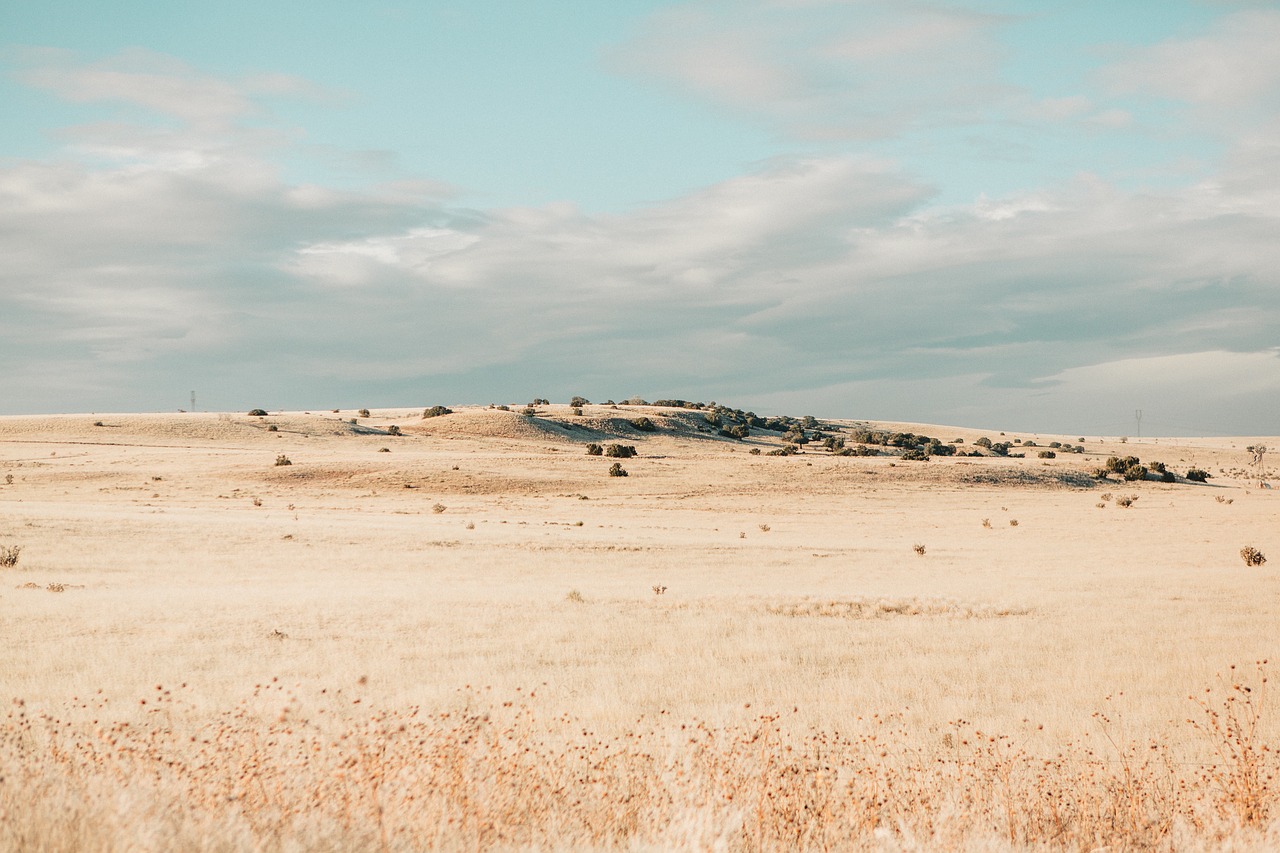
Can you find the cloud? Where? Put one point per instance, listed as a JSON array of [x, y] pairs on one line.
[[822, 70], [1234, 67]]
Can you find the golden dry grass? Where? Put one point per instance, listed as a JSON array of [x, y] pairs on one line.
[[360, 670]]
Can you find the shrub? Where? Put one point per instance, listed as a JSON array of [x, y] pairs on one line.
[[755, 451], [616, 470], [1047, 454], [579, 402], [983, 442], [503, 408], [384, 449], [1197, 475], [438, 508], [393, 430], [257, 413], [1135, 472], [594, 449], [433, 412], [1126, 501], [1120, 465], [1001, 448], [1252, 556], [736, 431], [273, 428], [643, 424], [528, 411], [919, 549], [9, 555], [1056, 444], [1167, 477], [98, 423], [915, 456], [1029, 444], [539, 401], [577, 411], [283, 460], [364, 413], [575, 597], [620, 451]]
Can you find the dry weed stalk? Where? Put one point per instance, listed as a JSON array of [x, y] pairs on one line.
[[280, 772]]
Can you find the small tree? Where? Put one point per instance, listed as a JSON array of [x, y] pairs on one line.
[[616, 470], [579, 402]]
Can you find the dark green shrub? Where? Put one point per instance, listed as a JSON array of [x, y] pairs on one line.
[[1029, 444], [594, 449], [738, 431], [1047, 454], [503, 408], [1135, 472], [364, 413], [755, 451], [915, 456], [620, 451], [1167, 477], [643, 424], [1157, 467], [1119, 465], [1197, 475], [257, 413], [1056, 444], [1001, 448], [393, 430], [434, 412], [616, 470], [579, 402], [577, 411], [983, 442]]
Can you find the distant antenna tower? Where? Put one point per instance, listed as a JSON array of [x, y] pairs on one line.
[[193, 401], [1137, 415]]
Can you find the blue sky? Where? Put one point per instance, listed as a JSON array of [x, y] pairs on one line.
[[1023, 215]]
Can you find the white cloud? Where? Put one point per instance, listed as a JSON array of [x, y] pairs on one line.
[[859, 70]]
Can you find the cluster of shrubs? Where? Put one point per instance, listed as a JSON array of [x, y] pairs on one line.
[[616, 451], [1130, 468], [433, 412], [643, 424]]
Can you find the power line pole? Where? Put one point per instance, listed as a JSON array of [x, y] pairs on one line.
[[193, 401], [1137, 415]]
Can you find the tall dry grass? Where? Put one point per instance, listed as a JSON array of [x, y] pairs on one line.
[[290, 770]]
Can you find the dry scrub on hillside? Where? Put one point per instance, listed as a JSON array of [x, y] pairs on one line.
[[326, 772]]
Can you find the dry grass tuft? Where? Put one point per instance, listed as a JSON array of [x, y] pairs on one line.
[[1252, 556], [9, 555]]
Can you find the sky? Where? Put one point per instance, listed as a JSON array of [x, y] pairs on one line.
[[1037, 216]]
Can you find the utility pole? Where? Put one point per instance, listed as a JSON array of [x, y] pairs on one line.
[[1137, 415], [193, 401]]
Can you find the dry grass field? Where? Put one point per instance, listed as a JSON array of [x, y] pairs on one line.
[[477, 639]]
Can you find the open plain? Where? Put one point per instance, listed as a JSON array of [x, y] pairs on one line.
[[470, 635]]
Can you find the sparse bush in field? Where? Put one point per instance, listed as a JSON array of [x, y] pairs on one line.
[[983, 442], [643, 424], [1047, 454], [1119, 465], [833, 443], [788, 450], [634, 401], [915, 456], [528, 411], [1252, 556], [434, 412], [658, 589], [8, 479], [1001, 448], [620, 451], [579, 402], [98, 423], [575, 597], [1157, 467], [1126, 501], [1013, 522], [764, 528], [393, 430], [257, 413], [1100, 505], [539, 401], [616, 470], [1028, 443], [384, 449], [1135, 472], [1197, 475], [1056, 444], [273, 428], [577, 411], [1101, 473], [503, 408], [283, 460], [1106, 496], [364, 413], [594, 449], [438, 508], [986, 522], [919, 549], [9, 555], [755, 451]]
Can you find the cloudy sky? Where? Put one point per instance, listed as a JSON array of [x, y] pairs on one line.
[[1020, 214]]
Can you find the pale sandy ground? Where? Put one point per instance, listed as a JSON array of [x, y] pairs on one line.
[[174, 574]]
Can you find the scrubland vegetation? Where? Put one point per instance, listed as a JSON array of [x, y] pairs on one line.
[[483, 641]]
